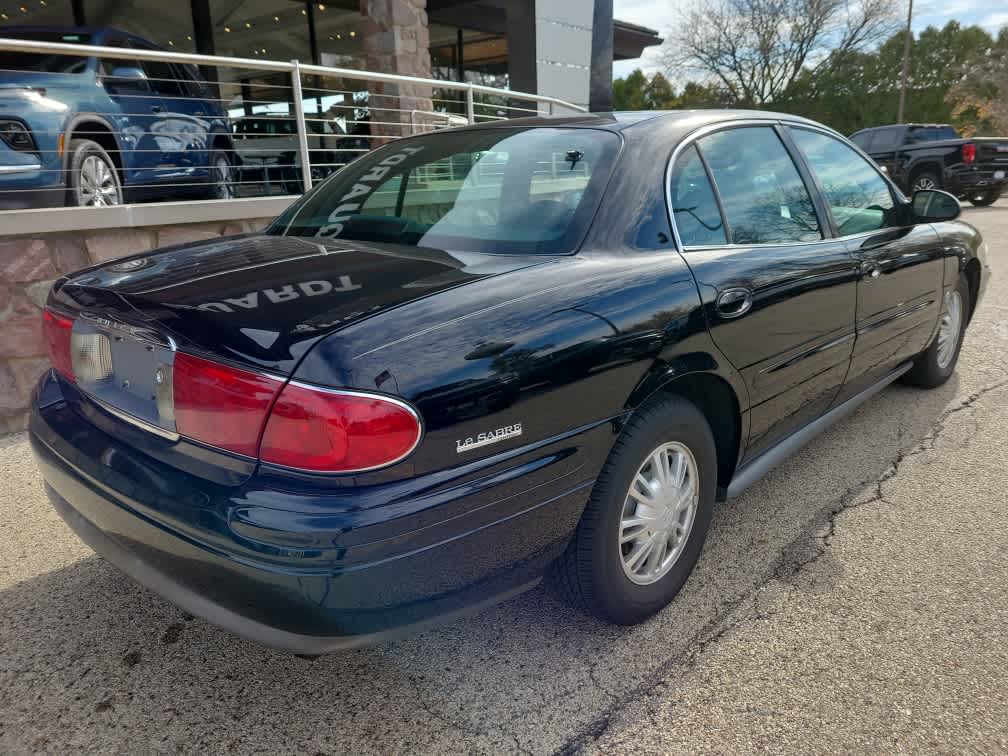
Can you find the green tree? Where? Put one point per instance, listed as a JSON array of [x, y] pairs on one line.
[[854, 90], [628, 93]]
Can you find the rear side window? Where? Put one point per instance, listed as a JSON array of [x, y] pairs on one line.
[[764, 198], [858, 196], [694, 208], [931, 133]]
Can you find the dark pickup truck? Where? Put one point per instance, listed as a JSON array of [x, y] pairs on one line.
[[933, 156]]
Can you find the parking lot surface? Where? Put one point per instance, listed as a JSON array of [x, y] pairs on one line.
[[852, 600]]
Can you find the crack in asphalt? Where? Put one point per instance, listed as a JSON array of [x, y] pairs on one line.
[[460, 726], [814, 538]]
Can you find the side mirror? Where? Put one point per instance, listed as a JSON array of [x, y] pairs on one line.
[[128, 75], [933, 205]]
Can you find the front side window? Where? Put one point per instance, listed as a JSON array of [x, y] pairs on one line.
[[858, 196], [503, 190], [862, 139], [764, 198], [887, 139], [694, 208]]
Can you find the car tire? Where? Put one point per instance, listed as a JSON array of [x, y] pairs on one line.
[[609, 578], [985, 199], [925, 180], [92, 178], [935, 365], [222, 175]]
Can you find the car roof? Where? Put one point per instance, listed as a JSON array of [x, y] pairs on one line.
[[623, 120]]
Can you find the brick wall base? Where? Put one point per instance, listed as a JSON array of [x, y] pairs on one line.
[[28, 266]]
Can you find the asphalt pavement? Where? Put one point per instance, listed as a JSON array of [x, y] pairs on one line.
[[853, 600]]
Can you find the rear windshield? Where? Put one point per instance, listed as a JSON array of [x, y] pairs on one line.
[[505, 190], [932, 133], [43, 62]]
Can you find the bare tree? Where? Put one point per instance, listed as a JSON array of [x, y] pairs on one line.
[[757, 48]]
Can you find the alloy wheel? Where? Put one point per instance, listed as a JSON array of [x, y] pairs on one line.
[[949, 328], [97, 186], [658, 513], [222, 178], [924, 182]]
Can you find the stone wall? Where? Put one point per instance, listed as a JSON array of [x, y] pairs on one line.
[[28, 266], [396, 40]]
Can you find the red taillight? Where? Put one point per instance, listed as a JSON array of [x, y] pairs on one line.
[[337, 431], [969, 152], [57, 332], [220, 405]]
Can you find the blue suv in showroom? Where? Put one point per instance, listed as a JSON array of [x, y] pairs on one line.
[[88, 131]]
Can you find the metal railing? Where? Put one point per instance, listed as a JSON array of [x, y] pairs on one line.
[[253, 127]]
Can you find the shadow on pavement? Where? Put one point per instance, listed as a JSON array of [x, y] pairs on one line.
[[91, 661]]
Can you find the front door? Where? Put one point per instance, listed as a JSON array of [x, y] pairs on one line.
[[900, 265], [139, 115], [778, 293]]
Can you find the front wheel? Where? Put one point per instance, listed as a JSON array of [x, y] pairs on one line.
[[984, 199], [936, 364], [647, 519], [92, 180]]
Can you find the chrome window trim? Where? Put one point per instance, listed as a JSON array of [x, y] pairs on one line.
[[703, 131]]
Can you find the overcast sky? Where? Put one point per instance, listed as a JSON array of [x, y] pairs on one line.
[[661, 15]]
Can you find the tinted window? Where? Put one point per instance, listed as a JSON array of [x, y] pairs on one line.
[[931, 133], [887, 139], [502, 190], [18, 61], [696, 213], [764, 198], [862, 139], [858, 196], [190, 80], [265, 127]]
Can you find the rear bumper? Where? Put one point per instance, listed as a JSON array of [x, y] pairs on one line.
[[982, 178], [177, 535]]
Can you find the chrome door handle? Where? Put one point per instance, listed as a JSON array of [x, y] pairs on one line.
[[870, 271], [156, 108], [733, 303]]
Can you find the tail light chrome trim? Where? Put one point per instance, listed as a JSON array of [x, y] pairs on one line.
[[361, 395]]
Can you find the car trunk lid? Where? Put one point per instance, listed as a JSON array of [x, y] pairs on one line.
[[256, 303]]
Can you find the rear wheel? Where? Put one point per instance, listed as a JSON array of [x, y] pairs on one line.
[[926, 180], [646, 522], [222, 176], [92, 180], [983, 199], [935, 364]]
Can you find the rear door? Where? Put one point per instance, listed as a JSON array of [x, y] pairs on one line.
[[183, 127], [778, 293], [900, 266]]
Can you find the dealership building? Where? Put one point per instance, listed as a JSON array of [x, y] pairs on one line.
[[539, 46]]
